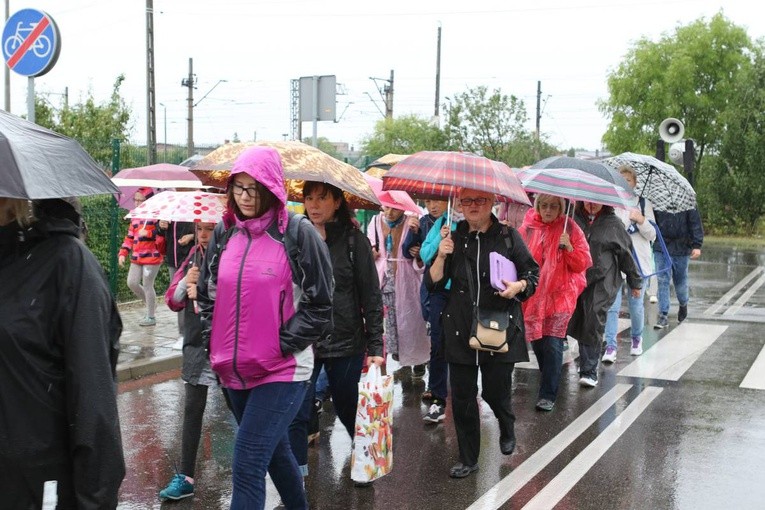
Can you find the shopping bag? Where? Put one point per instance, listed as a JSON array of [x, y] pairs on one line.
[[372, 455]]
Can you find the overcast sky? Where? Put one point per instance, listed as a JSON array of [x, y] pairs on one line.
[[257, 46]]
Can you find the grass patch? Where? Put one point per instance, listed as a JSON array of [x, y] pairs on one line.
[[757, 241]]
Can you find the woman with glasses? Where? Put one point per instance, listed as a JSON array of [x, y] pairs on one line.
[[261, 322], [559, 247], [463, 258], [145, 244]]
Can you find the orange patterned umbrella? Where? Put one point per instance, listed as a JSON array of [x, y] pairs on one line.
[[301, 163], [378, 167]]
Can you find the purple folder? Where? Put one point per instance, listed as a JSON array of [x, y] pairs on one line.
[[500, 268]]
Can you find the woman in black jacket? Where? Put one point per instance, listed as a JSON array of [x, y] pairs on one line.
[[357, 312], [59, 341], [611, 250], [466, 255]]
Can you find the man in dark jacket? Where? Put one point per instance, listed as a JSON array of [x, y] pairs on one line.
[[59, 341], [683, 236]]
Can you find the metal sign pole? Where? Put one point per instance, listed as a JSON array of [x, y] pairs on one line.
[[315, 111], [31, 99]]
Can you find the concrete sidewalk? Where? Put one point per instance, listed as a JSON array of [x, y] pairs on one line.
[[147, 350]]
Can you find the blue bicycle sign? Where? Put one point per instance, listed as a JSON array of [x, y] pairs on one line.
[[31, 42]]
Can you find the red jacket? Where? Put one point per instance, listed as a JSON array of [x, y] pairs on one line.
[[147, 249], [561, 275]]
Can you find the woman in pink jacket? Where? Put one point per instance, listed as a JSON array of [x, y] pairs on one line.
[[263, 307], [563, 259]]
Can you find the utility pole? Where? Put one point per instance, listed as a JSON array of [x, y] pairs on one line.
[[539, 116], [388, 89], [438, 72], [189, 82], [7, 69], [151, 119]]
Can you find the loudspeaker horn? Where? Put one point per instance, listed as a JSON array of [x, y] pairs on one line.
[[676, 151], [671, 130]]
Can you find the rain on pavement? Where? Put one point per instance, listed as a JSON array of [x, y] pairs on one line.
[[682, 426]]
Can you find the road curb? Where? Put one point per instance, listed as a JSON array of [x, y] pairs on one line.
[[142, 368]]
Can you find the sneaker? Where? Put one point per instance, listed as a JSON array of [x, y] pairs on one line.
[[178, 488], [653, 299], [637, 346], [610, 355], [178, 345], [588, 382], [418, 371], [661, 323], [147, 321], [545, 405], [682, 313], [436, 413]]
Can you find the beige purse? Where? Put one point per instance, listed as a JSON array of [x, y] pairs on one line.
[[489, 331]]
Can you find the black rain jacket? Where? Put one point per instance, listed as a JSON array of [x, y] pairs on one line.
[[357, 310], [59, 341], [457, 317], [611, 250]]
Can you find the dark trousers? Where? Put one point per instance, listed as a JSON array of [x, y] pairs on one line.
[[193, 412], [343, 375], [439, 369], [588, 360], [549, 353], [264, 414], [496, 381]]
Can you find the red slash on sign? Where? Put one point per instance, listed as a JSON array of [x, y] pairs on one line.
[[41, 25]]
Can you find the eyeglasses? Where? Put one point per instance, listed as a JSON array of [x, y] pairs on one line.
[[252, 192], [466, 202]]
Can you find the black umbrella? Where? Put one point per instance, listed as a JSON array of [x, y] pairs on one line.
[[36, 163], [591, 167]]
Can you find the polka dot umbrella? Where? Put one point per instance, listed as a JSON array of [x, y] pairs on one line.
[[188, 206]]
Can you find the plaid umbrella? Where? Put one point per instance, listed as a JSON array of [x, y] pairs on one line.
[[576, 185], [440, 174], [301, 163], [186, 206], [658, 181], [586, 165]]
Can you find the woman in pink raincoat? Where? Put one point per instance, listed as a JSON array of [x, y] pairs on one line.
[[406, 337], [563, 259]]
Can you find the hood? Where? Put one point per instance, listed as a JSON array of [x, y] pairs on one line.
[[265, 166]]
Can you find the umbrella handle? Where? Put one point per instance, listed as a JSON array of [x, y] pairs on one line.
[[565, 224]]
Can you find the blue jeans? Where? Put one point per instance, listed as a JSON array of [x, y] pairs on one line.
[[637, 314], [549, 353], [321, 387], [678, 265], [264, 414], [343, 375], [439, 368]]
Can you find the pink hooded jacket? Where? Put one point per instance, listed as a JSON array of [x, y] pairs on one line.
[[256, 336]]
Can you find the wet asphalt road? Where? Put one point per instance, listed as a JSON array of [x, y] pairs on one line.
[[673, 428]]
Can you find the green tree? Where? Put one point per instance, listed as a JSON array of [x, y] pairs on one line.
[[492, 124], [92, 124], [324, 145], [690, 74], [735, 197], [404, 135]]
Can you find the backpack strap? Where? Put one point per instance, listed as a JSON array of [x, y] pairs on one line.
[[291, 242], [506, 236], [352, 248]]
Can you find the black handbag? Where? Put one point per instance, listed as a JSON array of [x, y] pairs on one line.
[[489, 330]]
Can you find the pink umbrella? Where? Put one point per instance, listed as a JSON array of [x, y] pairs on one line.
[[188, 206], [161, 175], [393, 198]]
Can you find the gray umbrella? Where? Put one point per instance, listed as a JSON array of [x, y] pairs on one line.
[[591, 167], [36, 163]]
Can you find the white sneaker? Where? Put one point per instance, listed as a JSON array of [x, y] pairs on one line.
[[588, 382], [637, 346], [610, 355], [178, 345], [653, 299]]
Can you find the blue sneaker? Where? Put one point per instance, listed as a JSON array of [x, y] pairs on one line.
[[178, 488]]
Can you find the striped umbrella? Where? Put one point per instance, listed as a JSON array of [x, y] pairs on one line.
[[576, 184], [440, 174]]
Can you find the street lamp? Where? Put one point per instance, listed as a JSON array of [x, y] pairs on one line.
[[164, 112]]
